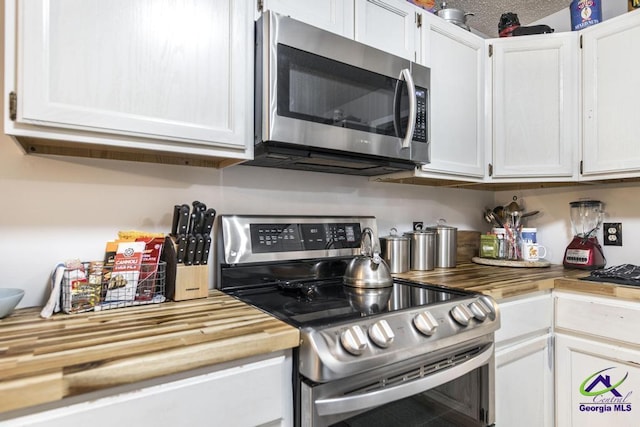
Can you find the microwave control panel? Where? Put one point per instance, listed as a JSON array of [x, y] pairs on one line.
[[420, 132]]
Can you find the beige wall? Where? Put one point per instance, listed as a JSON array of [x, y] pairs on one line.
[[56, 208]]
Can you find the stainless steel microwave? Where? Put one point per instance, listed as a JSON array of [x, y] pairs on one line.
[[330, 104]]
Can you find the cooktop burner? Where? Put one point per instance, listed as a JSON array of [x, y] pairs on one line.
[[315, 303]]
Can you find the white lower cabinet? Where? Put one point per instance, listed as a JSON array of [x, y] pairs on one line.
[[524, 363], [597, 361], [524, 383], [247, 393]]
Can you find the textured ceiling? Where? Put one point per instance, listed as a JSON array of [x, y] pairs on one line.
[[487, 12]]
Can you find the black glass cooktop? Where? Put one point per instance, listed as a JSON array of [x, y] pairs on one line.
[[314, 303]]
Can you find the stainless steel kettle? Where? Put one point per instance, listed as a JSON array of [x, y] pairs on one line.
[[368, 270]]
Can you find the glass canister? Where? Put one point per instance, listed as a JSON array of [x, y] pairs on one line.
[[395, 251]]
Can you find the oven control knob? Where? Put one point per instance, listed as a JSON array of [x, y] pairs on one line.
[[425, 323], [381, 334], [461, 314], [354, 340], [480, 310]]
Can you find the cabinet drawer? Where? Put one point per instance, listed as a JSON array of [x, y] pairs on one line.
[[600, 317], [524, 316]]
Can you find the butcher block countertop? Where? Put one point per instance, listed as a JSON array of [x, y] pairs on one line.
[[506, 282], [46, 360], [67, 355]]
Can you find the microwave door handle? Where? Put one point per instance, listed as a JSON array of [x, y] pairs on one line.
[[405, 75], [358, 402]]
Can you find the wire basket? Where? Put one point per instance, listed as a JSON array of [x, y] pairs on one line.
[[94, 288]]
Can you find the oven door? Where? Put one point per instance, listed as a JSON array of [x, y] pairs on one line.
[[453, 388], [325, 91]]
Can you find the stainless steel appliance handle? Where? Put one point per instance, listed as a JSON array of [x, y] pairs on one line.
[[405, 75], [340, 405]]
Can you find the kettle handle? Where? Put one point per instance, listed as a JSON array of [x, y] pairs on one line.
[[370, 250]]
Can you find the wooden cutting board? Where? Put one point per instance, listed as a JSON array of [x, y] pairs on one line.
[[510, 263]]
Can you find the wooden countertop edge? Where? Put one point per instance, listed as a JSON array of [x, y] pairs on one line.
[[57, 381]]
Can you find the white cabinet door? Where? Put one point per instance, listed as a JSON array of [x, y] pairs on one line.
[[249, 393], [535, 106], [456, 58], [156, 70], [597, 383], [388, 25], [611, 59], [524, 384], [331, 15]]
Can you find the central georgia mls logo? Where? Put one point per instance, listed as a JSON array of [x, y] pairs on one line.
[[606, 393]]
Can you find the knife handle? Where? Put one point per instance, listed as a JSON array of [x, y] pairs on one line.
[[192, 223], [205, 250], [182, 248], [191, 250], [175, 220], [183, 222], [209, 217], [197, 259]]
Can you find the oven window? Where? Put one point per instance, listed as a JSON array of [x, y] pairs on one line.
[[458, 403], [317, 89]]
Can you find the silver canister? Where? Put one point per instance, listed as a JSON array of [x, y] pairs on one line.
[[395, 251], [423, 245], [446, 245]]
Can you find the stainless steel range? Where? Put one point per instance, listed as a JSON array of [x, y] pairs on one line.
[[409, 354]]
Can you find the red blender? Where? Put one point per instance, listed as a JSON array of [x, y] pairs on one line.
[[584, 251]]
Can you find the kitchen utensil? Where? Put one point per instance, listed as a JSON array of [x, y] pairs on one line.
[[446, 244], [528, 214], [191, 250], [395, 251], [492, 218], [585, 251], [182, 248], [455, 16], [205, 250], [423, 249], [183, 222], [9, 298], [368, 270], [209, 217], [197, 259]]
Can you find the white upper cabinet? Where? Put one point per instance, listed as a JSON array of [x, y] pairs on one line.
[[611, 130], [535, 107], [154, 75], [456, 58], [388, 25], [331, 15]]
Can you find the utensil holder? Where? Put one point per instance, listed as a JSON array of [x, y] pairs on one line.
[[184, 282]]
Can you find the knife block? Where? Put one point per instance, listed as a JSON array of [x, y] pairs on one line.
[[184, 282]]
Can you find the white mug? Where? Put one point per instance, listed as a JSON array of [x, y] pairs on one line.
[[533, 251]]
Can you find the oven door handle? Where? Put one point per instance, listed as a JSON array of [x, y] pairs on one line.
[[341, 405]]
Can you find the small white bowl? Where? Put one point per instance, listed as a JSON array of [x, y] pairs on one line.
[[9, 298]]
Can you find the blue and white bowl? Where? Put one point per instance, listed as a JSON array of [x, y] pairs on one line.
[[9, 298]]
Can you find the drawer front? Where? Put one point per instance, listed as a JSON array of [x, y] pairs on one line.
[[599, 317], [524, 317]]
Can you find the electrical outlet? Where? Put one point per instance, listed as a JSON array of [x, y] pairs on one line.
[[417, 225], [612, 233]]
